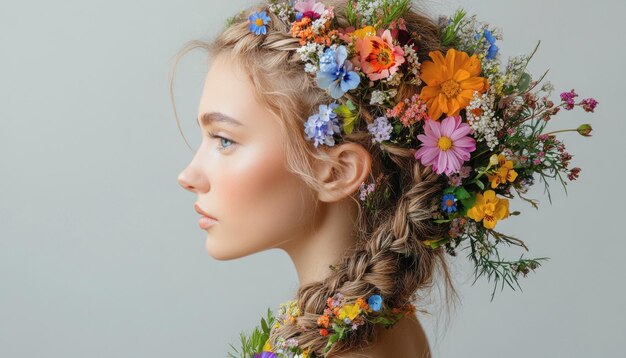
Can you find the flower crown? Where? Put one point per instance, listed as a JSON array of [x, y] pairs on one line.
[[476, 122]]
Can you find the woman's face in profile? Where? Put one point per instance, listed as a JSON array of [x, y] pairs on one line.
[[239, 171]]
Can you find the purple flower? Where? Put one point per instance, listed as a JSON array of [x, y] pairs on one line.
[[589, 104], [336, 72], [380, 129], [568, 98], [365, 190], [265, 354], [323, 125]]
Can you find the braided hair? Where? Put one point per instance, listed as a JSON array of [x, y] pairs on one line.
[[389, 258]]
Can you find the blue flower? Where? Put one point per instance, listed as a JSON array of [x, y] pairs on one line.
[[323, 125], [493, 49], [448, 203], [258, 20], [375, 302], [380, 129], [336, 73]]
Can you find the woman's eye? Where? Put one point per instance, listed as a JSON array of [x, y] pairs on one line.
[[225, 143]]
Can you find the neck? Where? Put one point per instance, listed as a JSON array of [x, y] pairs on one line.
[[312, 253]]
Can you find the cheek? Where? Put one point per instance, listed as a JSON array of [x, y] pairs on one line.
[[261, 200]]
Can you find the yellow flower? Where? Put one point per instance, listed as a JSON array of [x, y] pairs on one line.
[[450, 82], [365, 31], [350, 311], [489, 209], [505, 172], [267, 347]]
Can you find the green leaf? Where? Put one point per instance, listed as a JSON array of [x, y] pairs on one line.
[[436, 243], [348, 124], [449, 190], [524, 82], [468, 204], [346, 111], [460, 193], [480, 184], [264, 325]]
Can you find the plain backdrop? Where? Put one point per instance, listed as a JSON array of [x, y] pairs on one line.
[[100, 252]]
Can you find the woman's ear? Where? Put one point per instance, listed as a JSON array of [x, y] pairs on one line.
[[342, 179]]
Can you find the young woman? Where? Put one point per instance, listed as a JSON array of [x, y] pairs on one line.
[[352, 206]]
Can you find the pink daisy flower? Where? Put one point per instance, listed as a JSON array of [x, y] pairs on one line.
[[446, 145], [310, 8]]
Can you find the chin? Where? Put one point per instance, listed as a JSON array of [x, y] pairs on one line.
[[226, 252]]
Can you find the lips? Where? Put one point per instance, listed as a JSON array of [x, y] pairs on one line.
[[201, 212]]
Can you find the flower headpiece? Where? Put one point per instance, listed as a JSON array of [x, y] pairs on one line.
[[476, 122]]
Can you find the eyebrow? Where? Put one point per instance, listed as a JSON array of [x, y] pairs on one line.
[[209, 117]]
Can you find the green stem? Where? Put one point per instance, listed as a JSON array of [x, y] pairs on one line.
[[562, 130]]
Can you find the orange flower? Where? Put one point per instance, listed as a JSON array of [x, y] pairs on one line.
[[505, 172], [379, 57], [303, 30], [323, 321], [450, 82], [324, 332], [361, 302], [489, 209], [329, 302]]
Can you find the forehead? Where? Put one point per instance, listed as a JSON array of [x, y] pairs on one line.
[[229, 91]]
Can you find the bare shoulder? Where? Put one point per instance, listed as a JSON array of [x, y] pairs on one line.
[[406, 339]]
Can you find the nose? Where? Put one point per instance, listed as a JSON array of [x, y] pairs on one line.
[[192, 179], [184, 182]]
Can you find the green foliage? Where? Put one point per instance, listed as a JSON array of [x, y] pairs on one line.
[[351, 13], [449, 35], [394, 9], [487, 261], [255, 341], [349, 115]]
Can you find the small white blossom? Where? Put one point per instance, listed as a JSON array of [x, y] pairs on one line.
[[282, 9], [414, 64], [378, 97], [310, 68], [394, 79], [310, 52], [484, 122], [369, 10]]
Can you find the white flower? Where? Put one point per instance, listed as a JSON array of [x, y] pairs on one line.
[[485, 124], [378, 97], [310, 51], [310, 68]]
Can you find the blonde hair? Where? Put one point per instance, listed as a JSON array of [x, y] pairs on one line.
[[389, 258]]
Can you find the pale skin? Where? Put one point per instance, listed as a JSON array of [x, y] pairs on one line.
[[241, 180]]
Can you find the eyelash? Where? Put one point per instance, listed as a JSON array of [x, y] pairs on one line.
[[220, 137]]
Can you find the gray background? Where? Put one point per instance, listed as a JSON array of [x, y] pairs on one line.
[[100, 253]]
